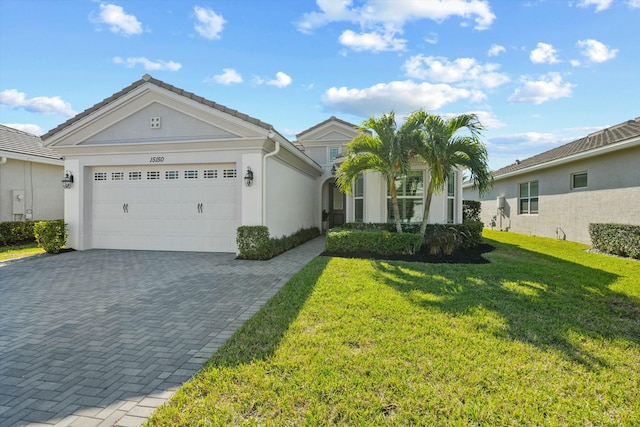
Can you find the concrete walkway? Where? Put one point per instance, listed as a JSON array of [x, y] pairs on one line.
[[103, 337]]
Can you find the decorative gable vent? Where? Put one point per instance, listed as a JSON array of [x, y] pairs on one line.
[[154, 123]]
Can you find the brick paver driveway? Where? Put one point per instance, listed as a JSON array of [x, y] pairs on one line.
[[103, 337]]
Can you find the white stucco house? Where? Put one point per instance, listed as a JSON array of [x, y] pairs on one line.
[[158, 168], [30, 174], [594, 179]]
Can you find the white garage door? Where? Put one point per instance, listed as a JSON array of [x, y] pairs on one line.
[[176, 208]]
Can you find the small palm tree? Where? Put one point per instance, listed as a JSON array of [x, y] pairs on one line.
[[382, 147], [443, 148]]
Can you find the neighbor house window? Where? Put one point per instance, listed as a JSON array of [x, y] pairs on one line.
[[410, 192], [333, 154], [358, 198], [451, 198], [579, 180], [528, 197]]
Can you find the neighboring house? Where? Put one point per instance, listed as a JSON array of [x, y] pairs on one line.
[[30, 174], [159, 168], [595, 179]]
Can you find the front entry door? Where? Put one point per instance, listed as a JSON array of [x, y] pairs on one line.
[[337, 204]]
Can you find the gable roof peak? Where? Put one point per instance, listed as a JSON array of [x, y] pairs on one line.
[[147, 77]]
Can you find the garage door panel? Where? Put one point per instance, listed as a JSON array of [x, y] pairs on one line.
[[165, 214]]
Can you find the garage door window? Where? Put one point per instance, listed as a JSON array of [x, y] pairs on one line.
[[191, 174], [117, 176], [135, 176], [100, 176], [171, 175], [229, 173], [210, 173]]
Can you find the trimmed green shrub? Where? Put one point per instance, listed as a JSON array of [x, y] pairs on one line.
[[471, 210], [254, 241], [15, 232], [382, 242], [51, 235], [616, 239]]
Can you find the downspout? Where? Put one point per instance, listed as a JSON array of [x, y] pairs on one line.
[[264, 175]]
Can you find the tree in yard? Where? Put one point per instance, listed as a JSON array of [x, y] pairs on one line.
[[443, 147], [382, 147]]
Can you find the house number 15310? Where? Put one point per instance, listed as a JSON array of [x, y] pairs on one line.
[[156, 160]]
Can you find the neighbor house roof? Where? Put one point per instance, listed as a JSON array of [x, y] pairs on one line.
[[148, 79], [330, 119], [603, 138], [23, 146]]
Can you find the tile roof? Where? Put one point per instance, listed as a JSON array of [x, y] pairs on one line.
[[611, 135], [148, 79], [23, 143], [330, 119]]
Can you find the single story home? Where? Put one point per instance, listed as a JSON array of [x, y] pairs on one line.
[[30, 174], [154, 167], [595, 179]]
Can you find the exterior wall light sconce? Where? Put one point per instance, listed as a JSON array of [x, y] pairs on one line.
[[67, 180], [248, 177], [333, 169]]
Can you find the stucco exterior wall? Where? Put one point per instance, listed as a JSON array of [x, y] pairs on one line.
[[291, 199], [612, 195], [43, 192]]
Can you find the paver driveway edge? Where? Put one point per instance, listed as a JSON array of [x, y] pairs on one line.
[[102, 338]]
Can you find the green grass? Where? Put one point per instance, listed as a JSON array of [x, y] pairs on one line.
[[19, 251], [546, 334]]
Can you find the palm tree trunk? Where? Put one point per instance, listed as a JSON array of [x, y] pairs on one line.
[[394, 204], [427, 206]]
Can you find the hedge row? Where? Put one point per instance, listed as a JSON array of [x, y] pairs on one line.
[[616, 239], [341, 240], [254, 241], [16, 232]]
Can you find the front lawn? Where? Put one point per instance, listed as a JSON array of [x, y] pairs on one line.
[[545, 334], [19, 251]]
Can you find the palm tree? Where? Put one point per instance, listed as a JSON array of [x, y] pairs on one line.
[[382, 147], [443, 148]]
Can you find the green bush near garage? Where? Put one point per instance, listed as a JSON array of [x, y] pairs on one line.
[[51, 235], [616, 239], [16, 232], [255, 243]]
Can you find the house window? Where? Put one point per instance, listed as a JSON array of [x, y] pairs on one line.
[[210, 173], [528, 198], [117, 176], [410, 192], [100, 176], [451, 198], [579, 180], [229, 173], [171, 175], [333, 154], [358, 197], [190, 174]]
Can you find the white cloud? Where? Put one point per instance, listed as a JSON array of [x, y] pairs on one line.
[[394, 14], [117, 20], [400, 96], [433, 37], [40, 104], [229, 76], [544, 54], [548, 87], [465, 71], [281, 80], [634, 3], [373, 41], [496, 50], [599, 4], [596, 51], [26, 127], [210, 24], [148, 64]]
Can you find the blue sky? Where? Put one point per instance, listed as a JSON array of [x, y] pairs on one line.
[[538, 73]]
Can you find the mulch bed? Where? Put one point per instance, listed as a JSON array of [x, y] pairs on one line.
[[466, 256]]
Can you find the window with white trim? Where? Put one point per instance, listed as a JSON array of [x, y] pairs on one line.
[[117, 176], [100, 176], [528, 198], [135, 176], [334, 152], [171, 175], [410, 194], [578, 180], [358, 198], [451, 198]]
